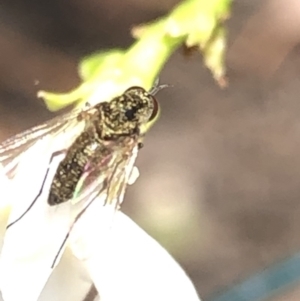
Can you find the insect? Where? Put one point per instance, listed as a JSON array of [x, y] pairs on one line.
[[93, 155], [110, 127], [111, 131]]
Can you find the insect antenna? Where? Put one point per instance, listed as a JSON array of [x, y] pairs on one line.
[[157, 87]]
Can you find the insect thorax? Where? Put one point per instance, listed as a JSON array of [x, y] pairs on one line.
[[125, 114]]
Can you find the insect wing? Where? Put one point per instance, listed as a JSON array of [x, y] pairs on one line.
[[35, 232], [12, 148], [110, 175], [31, 243], [34, 244]]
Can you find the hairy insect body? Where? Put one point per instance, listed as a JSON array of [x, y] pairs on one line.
[[110, 126]]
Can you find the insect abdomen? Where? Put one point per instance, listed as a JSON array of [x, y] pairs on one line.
[[71, 169]]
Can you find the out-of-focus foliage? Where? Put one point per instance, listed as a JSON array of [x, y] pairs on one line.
[[108, 73]]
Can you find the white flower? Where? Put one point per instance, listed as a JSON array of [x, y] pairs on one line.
[[116, 256]]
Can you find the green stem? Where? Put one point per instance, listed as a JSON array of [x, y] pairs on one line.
[[110, 73]]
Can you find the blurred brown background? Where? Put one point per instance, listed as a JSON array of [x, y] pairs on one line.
[[220, 172]]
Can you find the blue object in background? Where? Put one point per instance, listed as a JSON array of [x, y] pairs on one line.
[[270, 282]]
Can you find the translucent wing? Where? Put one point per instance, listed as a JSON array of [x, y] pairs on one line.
[[37, 233], [34, 244], [31, 242], [109, 173], [12, 148], [104, 185]]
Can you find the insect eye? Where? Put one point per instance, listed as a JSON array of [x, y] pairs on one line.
[[130, 114], [155, 109]]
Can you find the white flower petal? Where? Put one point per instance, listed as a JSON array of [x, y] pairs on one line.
[[127, 264], [31, 244], [69, 281], [123, 261], [5, 184]]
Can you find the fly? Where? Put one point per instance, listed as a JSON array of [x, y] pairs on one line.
[[110, 127], [101, 145], [112, 130]]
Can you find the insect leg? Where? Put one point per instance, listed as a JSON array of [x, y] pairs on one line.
[[57, 153], [109, 183], [81, 213]]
